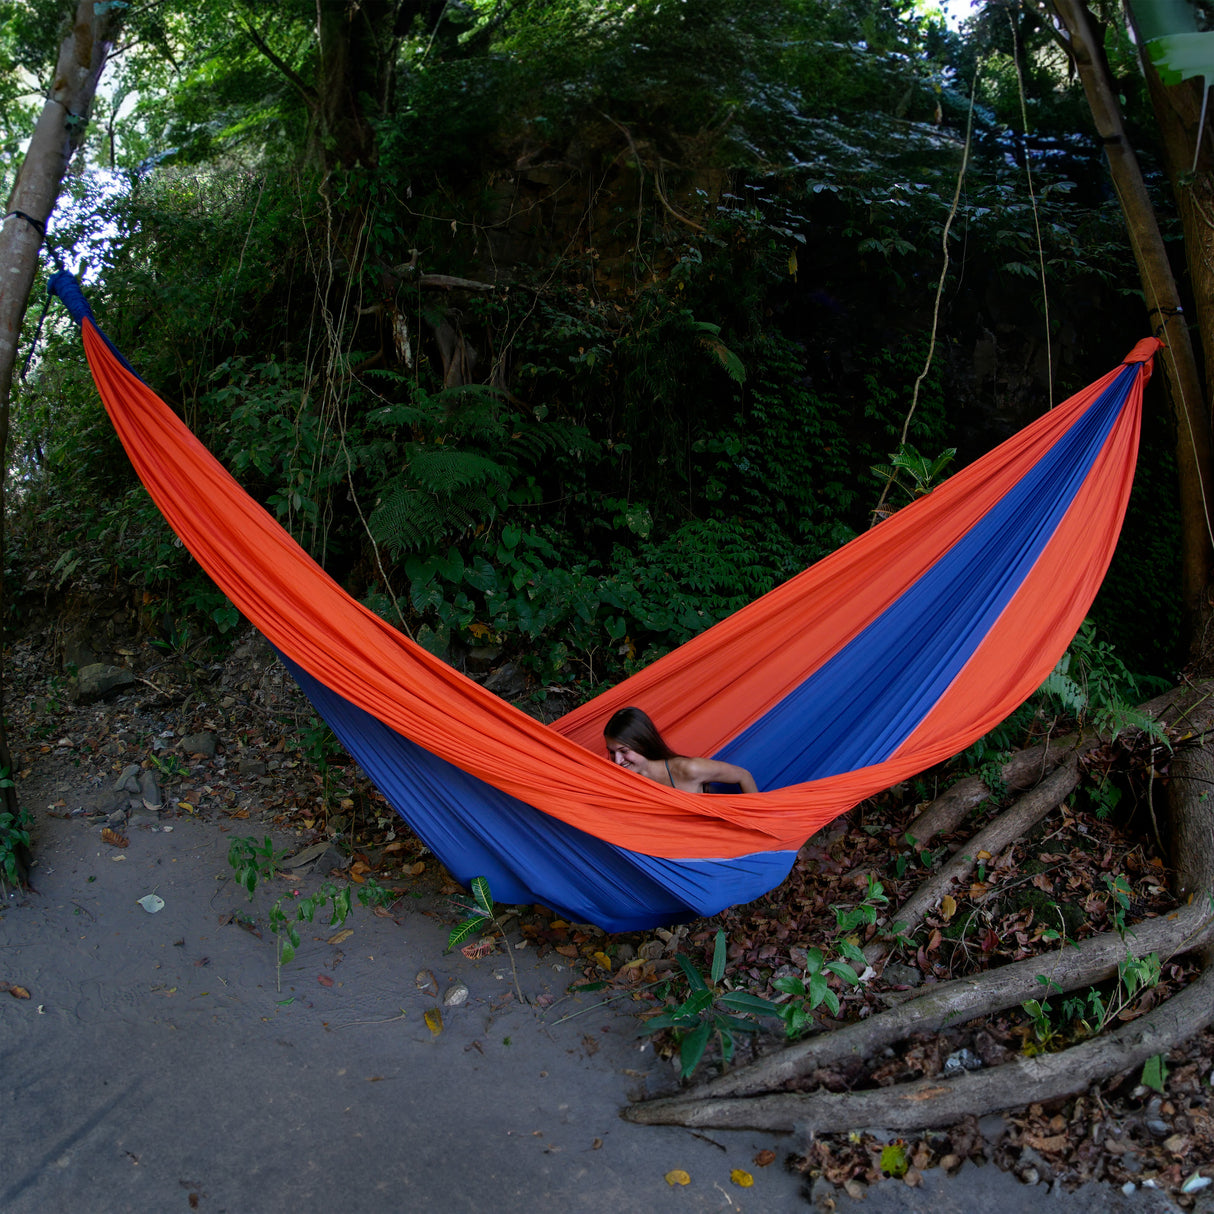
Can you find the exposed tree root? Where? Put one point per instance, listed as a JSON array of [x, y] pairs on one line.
[[942, 1101], [1003, 831], [1094, 960], [1024, 769]]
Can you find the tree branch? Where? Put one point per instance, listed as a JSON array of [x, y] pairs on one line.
[[308, 93]]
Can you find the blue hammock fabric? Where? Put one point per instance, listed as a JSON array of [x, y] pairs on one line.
[[892, 654]]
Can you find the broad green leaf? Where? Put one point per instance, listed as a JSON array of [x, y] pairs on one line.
[[461, 931], [484, 899], [1155, 1073], [718, 957], [691, 1051]]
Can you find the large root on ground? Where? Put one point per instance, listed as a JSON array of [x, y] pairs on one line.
[[736, 1094], [945, 1101]]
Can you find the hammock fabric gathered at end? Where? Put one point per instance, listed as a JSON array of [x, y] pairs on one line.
[[892, 654]]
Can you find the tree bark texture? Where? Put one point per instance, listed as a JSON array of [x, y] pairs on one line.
[[57, 135]]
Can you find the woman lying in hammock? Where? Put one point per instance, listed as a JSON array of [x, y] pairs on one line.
[[633, 741]]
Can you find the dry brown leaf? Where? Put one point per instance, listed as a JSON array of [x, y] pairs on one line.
[[338, 937], [113, 838], [1046, 1142], [324, 979], [764, 1159], [17, 992]]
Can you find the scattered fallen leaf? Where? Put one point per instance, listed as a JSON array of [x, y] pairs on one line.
[[677, 1176], [152, 903], [338, 937], [948, 906], [17, 992], [603, 960], [765, 1159], [434, 1020], [474, 952], [894, 1161], [113, 838], [324, 979], [742, 1179]]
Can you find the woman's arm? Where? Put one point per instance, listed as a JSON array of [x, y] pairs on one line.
[[714, 771]]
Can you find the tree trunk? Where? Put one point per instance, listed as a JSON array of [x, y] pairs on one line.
[[59, 132], [1190, 805], [1163, 302], [355, 77]]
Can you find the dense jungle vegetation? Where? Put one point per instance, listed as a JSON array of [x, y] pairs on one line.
[[566, 329]]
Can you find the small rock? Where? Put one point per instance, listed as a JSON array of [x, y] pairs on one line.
[[128, 781], [1159, 1128], [962, 1060], [901, 975], [98, 680], [252, 767], [507, 681], [205, 743], [456, 994], [1030, 1175], [482, 657], [149, 790]]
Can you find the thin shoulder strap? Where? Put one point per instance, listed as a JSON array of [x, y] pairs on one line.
[[668, 775]]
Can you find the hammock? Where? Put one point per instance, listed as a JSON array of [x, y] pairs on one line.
[[894, 653]]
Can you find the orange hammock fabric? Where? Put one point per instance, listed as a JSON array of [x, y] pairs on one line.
[[887, 657], [562, 771]]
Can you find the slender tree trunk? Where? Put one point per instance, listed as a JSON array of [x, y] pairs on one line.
[[59, 132], [355, 78], [1189, 801], [1163, 302]]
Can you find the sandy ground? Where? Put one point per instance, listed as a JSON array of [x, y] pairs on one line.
[[160, 1063]]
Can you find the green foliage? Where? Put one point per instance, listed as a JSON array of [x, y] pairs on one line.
[[864, 913], [14, 838], [812, 988], [252, 863], [710, 1010], [482, 913], [912, 473], [1155, 1073], [716, 225]]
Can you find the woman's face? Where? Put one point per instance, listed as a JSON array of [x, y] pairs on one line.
[[623, 755]]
